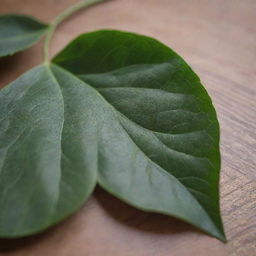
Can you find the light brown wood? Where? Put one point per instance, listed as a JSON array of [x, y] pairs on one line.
[[218, 39]]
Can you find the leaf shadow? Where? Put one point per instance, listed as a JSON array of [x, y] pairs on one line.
[[119, 211], [11, 67], [12, 244], [142, 221], [8, 64]]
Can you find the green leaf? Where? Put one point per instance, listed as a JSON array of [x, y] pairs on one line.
[[116, 108], [18, 32], [46, 171], [162, 154]]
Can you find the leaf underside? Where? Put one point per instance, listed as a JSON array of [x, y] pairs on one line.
[[18, 32], [117, 109]]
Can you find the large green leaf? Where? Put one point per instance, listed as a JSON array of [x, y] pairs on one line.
[[172, 158], [116, 108], [18, 32]]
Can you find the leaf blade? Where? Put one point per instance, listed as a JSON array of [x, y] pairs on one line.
[[38, 156], [162, 105], [18, 32]]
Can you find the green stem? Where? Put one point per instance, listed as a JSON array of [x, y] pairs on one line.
[[68, 12]]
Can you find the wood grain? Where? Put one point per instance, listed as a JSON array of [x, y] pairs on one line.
[[218, 39]]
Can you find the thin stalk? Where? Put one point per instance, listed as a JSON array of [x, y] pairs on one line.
[[60, 18]]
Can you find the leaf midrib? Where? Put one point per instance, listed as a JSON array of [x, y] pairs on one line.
[[61, 135]]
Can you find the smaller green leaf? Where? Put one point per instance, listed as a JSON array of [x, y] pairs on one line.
[[18, 32]]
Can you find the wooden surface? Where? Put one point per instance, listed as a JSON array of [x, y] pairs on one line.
[[218, 39]]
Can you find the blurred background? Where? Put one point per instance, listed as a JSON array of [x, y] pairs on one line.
[[218, 39]]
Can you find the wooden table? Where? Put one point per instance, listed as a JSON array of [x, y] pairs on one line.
[[218, 39]]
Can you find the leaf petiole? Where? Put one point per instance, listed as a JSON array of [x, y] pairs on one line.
[[59, 19]]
